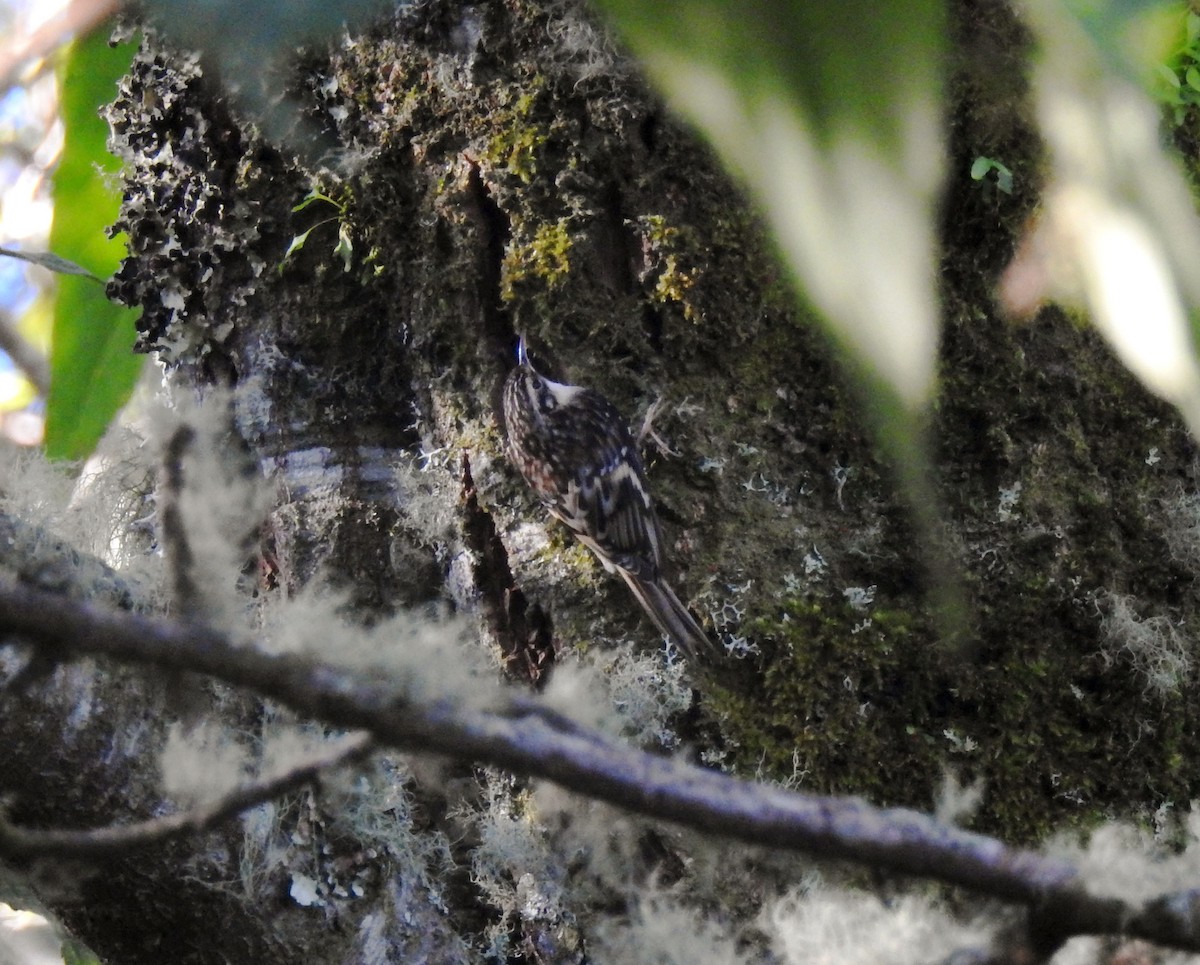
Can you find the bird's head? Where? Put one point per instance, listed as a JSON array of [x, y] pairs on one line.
[[536, 394]]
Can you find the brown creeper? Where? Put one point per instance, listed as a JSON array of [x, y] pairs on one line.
[[575, 451]]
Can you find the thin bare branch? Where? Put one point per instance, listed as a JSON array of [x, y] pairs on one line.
[[21, 844], [177, 547], [25, 356], [540, 743]]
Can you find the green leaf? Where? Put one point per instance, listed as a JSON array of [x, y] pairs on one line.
[[983, 166], [92, 365], [297, 243], [345, 246], [76, 953], [1167, 76], [313, 196]]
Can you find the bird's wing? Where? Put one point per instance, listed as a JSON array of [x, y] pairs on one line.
[[606, 500]]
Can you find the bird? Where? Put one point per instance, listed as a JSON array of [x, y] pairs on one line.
[[576, 453]]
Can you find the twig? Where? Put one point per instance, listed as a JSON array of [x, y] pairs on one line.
[[541, 745], [647, 431], [522, 631], [22, 844], [177, 547], [25, 356]]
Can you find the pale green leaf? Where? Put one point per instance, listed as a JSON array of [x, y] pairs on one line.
[[1168, 75], [345, 246], [297, 242], [92, 365]]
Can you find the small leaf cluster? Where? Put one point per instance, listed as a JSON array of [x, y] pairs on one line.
[[1179, 78], [344, 248], [1001, 177]]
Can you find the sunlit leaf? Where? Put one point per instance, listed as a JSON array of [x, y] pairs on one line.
[[92, 365]]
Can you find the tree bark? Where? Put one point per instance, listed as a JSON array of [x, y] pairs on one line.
[[501, 168]]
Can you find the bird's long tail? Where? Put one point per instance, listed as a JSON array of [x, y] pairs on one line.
[[670, 615]]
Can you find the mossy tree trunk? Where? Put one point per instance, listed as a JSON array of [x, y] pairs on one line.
[[502, 168]]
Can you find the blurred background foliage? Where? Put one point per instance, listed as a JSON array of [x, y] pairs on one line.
[[68, 364]]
